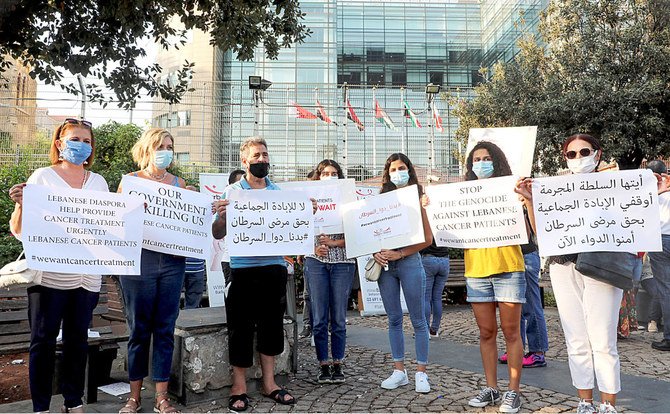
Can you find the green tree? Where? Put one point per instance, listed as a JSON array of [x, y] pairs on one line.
[[113, 142], [102, 38], [600, 67]]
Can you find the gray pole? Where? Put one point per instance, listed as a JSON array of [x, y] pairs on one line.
[[84, 97]]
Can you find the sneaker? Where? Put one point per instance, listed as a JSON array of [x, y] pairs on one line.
[[511, 402], [397, 379], [421, 382], [433, 333], [324, 376], [336, 374], [306, 332], [652, 327], [487, 396], [586, 407], [606, 407], [533, 360], [503, 358]]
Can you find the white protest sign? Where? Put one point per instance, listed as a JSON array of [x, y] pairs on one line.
[[329, 195], [372, 299], [81, 231], [214, 185], [363, 192], [177, 221], [476, 214], [269, 223], [518, 144], [385, 221], [608, 211]]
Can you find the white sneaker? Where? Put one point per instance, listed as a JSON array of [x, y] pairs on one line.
[[397, 379], [607, 408], [312, 341], [652, 327], [421, 382]]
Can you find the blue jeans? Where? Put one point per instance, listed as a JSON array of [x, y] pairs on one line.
[[47, 308], [437, 272], [194, 286], [152, 306], [329, 287], [407, 273], [533, 324], [660, 267]]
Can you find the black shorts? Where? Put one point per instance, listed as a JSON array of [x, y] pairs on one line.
[[256, 302]]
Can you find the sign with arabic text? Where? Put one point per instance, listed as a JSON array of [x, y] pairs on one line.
[[269, 223], [609, 211], [476, 214]]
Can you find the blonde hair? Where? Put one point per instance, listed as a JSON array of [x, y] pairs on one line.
[[248, 142], [144, 149], [54, 153]]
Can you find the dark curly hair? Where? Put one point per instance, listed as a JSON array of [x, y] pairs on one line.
[[387, 185], [322, 166], [501, 167]]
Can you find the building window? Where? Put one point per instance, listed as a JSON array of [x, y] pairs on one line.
[[399, 78], [376, 78], [436, 78]]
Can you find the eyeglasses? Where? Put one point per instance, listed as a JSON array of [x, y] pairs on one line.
[[75, 121], [584, 152]]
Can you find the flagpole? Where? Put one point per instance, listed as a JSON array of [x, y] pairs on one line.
[[345, 161], [404, 129], [286, 139], [432, 139], [316, 120], [374, 133]]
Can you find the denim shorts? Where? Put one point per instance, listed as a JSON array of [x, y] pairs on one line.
[[504, 287]]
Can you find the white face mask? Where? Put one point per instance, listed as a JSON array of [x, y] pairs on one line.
[[328, 177], [583, 165]]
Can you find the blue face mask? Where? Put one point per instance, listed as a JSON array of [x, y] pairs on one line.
[[400, 178], [482, 169], [163, 159], [76, 152]]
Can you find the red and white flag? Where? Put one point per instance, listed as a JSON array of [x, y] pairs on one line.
[[321, 113], [437, 119], [298, 111], [352, 116]]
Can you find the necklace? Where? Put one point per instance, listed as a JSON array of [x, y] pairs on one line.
[[84, 180], [157, 177]]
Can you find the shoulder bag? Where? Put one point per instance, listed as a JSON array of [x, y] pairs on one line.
[[17, 272], [372, 270], [613, 268]]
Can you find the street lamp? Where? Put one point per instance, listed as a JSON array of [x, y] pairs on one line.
[[431, 91], [258, 85]]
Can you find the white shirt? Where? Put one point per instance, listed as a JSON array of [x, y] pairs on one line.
[[664, 206], [49, 177]]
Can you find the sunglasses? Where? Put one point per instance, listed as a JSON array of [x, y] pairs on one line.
[[75, 121], [584, 152]]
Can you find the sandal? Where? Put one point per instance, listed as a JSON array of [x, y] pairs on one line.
[[235, 398], [132, 406], [279, 395], [163, 405]]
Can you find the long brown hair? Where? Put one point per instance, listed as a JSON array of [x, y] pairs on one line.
[[387, 185], [54, 153]]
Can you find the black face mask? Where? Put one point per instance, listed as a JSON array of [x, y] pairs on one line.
[[260, 169]]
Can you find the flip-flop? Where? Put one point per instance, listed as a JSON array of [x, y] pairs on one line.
[[235, 398], [278, 396]]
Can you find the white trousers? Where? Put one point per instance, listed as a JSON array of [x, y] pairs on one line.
[[589, 312]]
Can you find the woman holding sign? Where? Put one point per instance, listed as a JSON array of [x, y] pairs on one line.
[[589, 309], [60, 297], [329, 274], [403, 269], [152, 299]]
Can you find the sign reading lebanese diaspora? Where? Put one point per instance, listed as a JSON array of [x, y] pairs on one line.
[[476, 214], [518, 144], [177, 221], [385, 221], [363, 192], [608, 211], [329, 196], [372, 299], [269, 223], [214, 185], [81, 231]]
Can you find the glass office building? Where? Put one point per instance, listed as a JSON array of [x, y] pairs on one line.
[[370, 51]]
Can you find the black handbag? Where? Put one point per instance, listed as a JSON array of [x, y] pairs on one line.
[[613, 268]]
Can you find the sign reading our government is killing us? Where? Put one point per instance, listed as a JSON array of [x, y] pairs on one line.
[[608, 211], [81, 231], [269, 223], [177, 221], [476, 214]]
